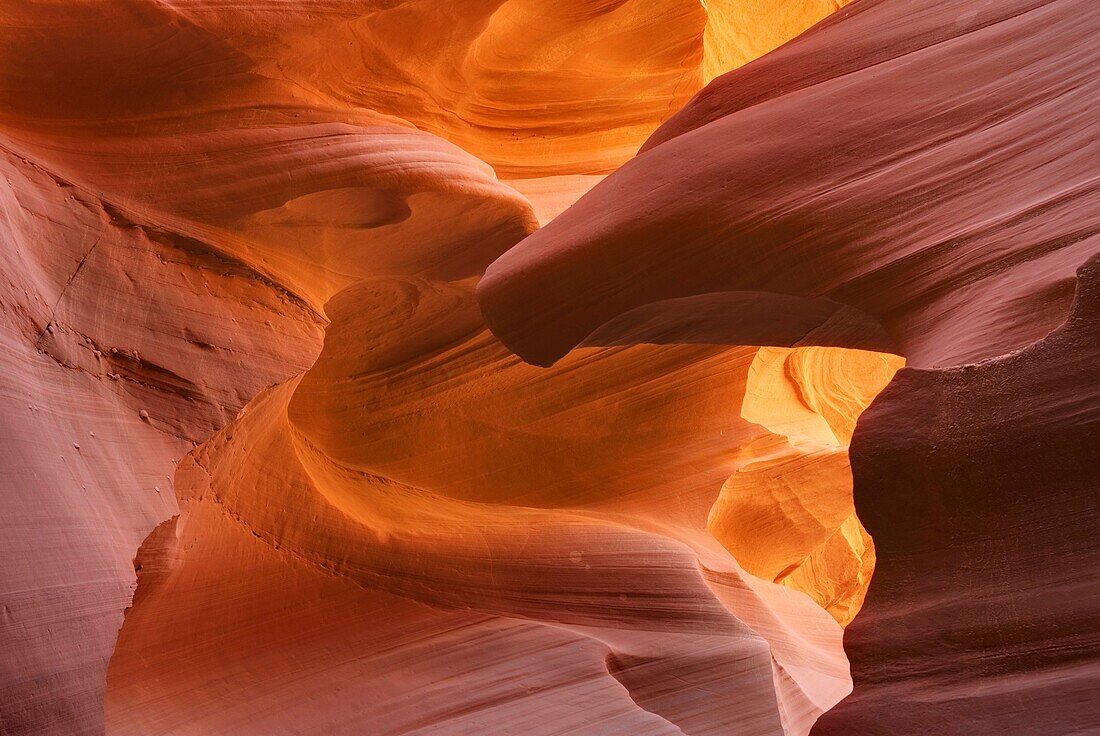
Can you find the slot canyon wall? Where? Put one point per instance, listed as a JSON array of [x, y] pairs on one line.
[[509, 367]]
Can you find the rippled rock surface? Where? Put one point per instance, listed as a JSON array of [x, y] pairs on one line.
[[511, 367]]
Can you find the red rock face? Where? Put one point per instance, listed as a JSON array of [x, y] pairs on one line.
[[925, 167], [970, 626], [308, 427]]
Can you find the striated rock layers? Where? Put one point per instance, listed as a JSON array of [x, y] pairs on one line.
[[889, 169], [309, 428], [912, 176], [979, 484], [191, 193]]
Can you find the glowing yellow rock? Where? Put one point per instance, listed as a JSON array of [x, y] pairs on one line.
[[786, 514]]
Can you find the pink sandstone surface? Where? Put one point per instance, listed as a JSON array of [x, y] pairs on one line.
[[508, 367]]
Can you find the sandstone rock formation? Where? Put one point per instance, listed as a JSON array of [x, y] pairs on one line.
[[952, 212], [308, 427], [925, 169], [978, 483]]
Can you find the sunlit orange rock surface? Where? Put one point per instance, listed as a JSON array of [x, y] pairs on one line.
[[509, 367]]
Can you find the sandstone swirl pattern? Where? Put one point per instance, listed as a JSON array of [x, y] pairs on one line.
[[279, 456], [925, 168]]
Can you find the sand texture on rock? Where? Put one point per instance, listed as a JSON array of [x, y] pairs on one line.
[[510, 367]]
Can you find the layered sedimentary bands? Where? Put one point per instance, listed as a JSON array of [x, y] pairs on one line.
[[512, 367]]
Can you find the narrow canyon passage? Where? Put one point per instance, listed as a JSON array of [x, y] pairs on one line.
[[409, 368], [417, 458]]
